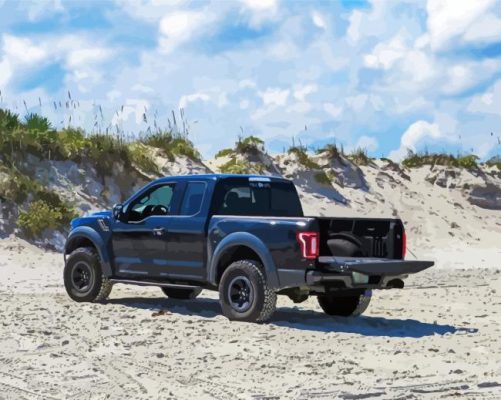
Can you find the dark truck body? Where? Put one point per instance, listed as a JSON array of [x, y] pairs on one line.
[[182, 250]]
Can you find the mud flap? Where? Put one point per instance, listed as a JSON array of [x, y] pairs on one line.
[[374, 266]]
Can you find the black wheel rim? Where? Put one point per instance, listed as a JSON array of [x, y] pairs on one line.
[[82, 277], [240, 294]]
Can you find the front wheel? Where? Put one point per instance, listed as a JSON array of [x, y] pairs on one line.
[[83, 277], [353, 303], [244, 294]]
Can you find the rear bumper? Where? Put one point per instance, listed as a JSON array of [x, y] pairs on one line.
[[353, 272]]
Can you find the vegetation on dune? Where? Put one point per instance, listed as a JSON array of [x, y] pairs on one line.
[[40, 216], [46, 210], [304, 159], [36, 136], [323, 177], [332, 150], [359, 157], [413, 160], [223, 153], [234, 166], [249, 145], [140, 156], [494, 164], [172, 144]]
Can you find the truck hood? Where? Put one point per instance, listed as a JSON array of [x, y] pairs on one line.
[[105, 213], [85, 220]]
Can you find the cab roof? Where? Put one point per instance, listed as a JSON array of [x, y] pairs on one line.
[[215, 177]]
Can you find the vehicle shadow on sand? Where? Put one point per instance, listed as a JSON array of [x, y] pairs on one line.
[[302, 319]]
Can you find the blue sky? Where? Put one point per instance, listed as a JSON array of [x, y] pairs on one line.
[[384, 75]]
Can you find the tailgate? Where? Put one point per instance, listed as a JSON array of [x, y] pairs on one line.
[[374, 266]]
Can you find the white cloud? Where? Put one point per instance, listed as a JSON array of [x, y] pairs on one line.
[[133, 108], [261, 5], [385, 54], [487, 28], [318, 20], [191, 98], [87, 56], [367, 142], [357, 102], [414, 134], [333, 110], [300, 92], [260, 11], [178, 27], [5, 73], [448, 19], [21, 50], [274, 96], [488, 102]]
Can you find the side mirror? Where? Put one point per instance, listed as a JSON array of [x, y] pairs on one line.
[[117, 211]]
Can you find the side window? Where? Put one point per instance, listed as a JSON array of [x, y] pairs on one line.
[[237, 201], [193, 197], [156, 201]]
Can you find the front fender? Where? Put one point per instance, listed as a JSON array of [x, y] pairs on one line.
[[96, 239], [248, 240]]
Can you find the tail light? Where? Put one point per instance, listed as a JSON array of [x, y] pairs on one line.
[[309, 244], [404, 245]]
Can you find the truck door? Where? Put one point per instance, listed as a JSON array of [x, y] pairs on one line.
[[186, 238], [140, 237]]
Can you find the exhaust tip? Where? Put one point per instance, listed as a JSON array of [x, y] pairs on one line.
[[396, 284]]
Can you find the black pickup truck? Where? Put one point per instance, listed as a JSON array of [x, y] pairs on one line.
[[243, 235]]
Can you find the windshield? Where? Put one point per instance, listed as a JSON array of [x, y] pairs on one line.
[[241, 196]]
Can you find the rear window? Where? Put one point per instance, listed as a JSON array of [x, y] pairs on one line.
[[240, 196], [193, 197]]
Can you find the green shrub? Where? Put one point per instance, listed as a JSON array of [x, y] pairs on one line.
[[234, 166], [37, 123], [172, 144], [142, 159], [38, 217], [248, 145], [468, 162], [72, 142], [414, 160], [359, 157], [8, 120], [303, 157], [223, 153], [323, 178], [332, 151]]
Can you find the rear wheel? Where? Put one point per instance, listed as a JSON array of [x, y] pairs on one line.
[[346, 303], [244, 294], [83, 277], [181, 294]]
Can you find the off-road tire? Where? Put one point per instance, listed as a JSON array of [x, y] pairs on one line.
[[264, 299], [181, 294], [99, 287], [347, 303]]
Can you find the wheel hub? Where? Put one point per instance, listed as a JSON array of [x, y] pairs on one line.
[[240, 293], [81, 277]]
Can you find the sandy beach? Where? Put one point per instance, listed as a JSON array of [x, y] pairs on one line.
[[437, 338]]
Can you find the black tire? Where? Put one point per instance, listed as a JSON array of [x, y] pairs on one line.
[[181, 294], [83, 276], [348, 303], [246, 276]]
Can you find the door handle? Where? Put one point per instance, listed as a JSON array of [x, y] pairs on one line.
[[158, 231]]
